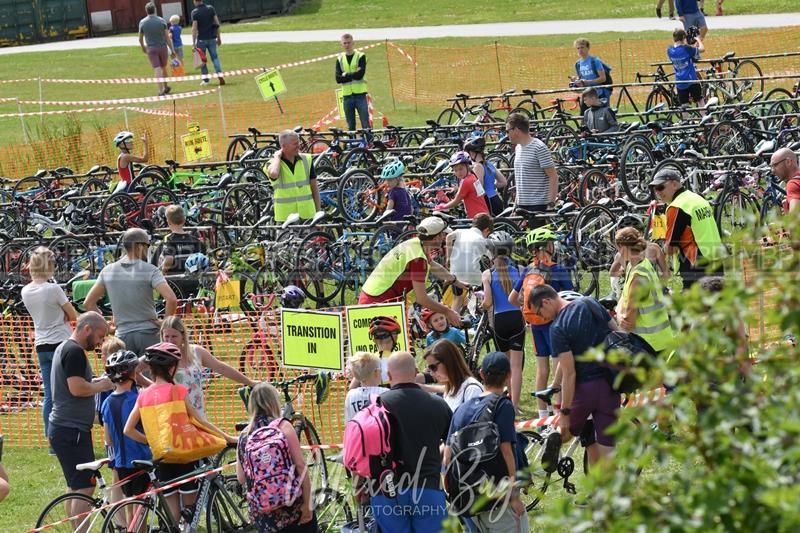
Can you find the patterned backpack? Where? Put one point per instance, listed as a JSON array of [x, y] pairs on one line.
[[272, 479]]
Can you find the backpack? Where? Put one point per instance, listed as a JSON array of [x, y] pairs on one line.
[[538, 275], [272, 479], [476, 457], [368, 442], [609, 79], [636, 354]]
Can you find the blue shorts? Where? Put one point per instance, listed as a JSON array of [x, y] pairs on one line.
[[694, 19], [541, 340], [412, 510]]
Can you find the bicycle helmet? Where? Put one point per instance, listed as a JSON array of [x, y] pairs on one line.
[[383, 323], [539, 237], [426, 314], [292, 297], [630, 221], [460, 158], [163, 353], [121, 137], [570, 295], [322, 387], [500, 243], [393, 170], [120, 364], [196, 262], [475, 144]]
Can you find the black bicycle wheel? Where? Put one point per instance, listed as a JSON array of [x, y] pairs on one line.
[[155, 204], [148, 180], [593, 235], [448, 117], [537, 479], [333, 510], [479, 344], [56, 511], [413, 138], [383, 240], [728, 138], [93, 186], [238, 146], [320, 266], [735, 211], [119, 212], [136, 515], [657, 96], [72, 257], [227, 510], [240, 209], [358, 196], [636, 160], [314, 457], [594, 186], [560, 138], [359, 158], [746, 89]]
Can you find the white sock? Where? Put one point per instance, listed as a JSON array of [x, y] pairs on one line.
[[543, 413]]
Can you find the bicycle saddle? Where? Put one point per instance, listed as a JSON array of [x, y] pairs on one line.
[[566, 208], [225, 180], [462, 95], [529, 92], [692, 153], [144, 465], [394, 127], [608, 302], [508, 92], [319, 216], [729, 55], [94, 466], [756, 97], [547, 394], [298, 129], [705, 120], [171, 162], [386, 215], [432, 123], [294, 218], [713, 101], [70, 193], [655, 126], [254, 131], [94, 169], [336, 131]]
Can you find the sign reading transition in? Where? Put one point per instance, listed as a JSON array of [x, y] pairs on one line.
[[270, 84], [359, 317], [312, 339], [196, 145]]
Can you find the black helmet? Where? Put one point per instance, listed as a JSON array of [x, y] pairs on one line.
[[475, 144], [120, 364], [500, 243], [630, 221]]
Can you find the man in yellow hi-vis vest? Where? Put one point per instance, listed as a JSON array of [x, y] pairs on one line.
[[294, 180], [351, 66], [693, 237]]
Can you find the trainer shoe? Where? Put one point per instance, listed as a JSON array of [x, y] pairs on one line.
[[658, 12], [204, 82], [167, 89], [552, 447]]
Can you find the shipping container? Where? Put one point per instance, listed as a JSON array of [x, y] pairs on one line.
[[42, 20], [233, 10]]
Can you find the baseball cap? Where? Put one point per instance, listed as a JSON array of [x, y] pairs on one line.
[[665, 175], [134, 236], [431, 226], [496, 363]]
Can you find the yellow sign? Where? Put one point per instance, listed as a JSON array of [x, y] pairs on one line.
[[312, 339], [270, 84], [658, 228], [340, 102], [358, 319], [227, 294], [193, 127], [196, 145]]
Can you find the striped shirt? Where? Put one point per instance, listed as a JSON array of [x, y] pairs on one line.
[[533, 185]]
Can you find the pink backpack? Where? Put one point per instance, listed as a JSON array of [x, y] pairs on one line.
[[367, 442], [272, 479]]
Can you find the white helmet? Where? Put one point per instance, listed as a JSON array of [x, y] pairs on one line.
[[121, 137], [570, 295]]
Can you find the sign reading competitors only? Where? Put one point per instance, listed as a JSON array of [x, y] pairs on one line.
[[359, 318], [312, 339]]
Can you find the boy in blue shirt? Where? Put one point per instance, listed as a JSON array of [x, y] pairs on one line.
[[175, 33], [121, 370], [683, 57], [591, 71]]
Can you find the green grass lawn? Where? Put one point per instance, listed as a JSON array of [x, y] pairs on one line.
[[325, 14]]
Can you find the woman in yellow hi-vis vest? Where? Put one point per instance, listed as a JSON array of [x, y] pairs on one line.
[[692, 234], [294, 181], [351, 66], [641, 308]]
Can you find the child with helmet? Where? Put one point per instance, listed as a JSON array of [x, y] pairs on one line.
[[438, 329], [383, 332], [542, 270], [470, 190], [125, 160], [120, 368], [163, 358], [398, 198]]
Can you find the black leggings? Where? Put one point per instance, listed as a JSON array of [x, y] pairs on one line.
[[509, 331]]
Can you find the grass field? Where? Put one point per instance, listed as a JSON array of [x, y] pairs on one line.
[[324, 14]]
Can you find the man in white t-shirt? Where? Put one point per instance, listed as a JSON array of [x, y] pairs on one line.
[[465, 249], [366, 368]]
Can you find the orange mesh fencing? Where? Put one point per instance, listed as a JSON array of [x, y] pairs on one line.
[[439, 73]]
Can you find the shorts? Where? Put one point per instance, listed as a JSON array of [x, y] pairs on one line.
[[139, 341], [166, 472], [496, 205], [596, 398], [694, 19], [73, 447], [509, 331], [157, 56], [692, 93], [541, 340], [137, 484], [534, 221]]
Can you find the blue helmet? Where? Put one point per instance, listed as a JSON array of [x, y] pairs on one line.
[[292, 297], [196, 262], [393, 170]]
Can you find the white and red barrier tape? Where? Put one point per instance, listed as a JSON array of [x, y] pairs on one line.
[[156, 112], [139, 100], [403, 52], [196, 77], [329, 118]]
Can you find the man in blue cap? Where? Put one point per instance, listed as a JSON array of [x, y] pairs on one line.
[[495, 372]]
